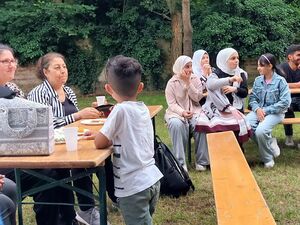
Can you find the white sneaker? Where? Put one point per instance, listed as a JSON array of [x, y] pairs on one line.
[[275, 147], [200, 167], [89, 217], [289, 141], [269, 164]]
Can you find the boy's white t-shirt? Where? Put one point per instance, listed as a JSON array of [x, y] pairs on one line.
[[130, 129]]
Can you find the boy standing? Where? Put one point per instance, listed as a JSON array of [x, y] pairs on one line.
[[129, 129]]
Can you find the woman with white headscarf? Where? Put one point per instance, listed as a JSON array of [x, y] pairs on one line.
[[201, 66], [228, 66], [183, 93]]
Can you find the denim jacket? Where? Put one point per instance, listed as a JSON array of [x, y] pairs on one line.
[[273, 98]]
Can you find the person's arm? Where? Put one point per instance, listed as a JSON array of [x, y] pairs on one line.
[[214, 82], [170, 94], [43, 98], [294, 85], [101, 141], [254, 99], [284, 100], [242, 90], [1, 181], [195, 89]]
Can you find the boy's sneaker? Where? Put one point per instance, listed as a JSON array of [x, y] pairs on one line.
[[89, 217], [289, 141], [275, 147], [269, 164], [200, 167]]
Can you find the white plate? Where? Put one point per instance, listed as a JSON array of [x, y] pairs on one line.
[[93, 121]]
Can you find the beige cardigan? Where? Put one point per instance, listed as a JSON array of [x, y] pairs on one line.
[[181, 97]]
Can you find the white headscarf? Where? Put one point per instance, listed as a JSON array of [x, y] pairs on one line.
[[197, 57], [179, 64], [222, 60], [222, 63]]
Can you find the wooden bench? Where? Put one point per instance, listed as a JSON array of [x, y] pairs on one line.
[[238, 198], [285, 120]]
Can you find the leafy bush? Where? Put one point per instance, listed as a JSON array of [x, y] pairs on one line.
[[134, 32], [253, 27]]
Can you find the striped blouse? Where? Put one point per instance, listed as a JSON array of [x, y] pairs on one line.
[[46, 95]]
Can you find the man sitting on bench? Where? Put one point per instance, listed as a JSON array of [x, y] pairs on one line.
[[291, 71]]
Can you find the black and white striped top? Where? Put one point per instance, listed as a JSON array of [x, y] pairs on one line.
[[46, 95]]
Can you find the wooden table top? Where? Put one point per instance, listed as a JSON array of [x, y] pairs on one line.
[[237, 195], [154, 110], [86, 156]]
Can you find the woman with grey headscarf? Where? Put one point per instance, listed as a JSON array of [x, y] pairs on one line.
[[228, 66], [183, 93]]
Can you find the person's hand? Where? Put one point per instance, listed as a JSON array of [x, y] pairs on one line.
[[206, 70], [235, 78], [228, 89], [94, 104], [89, 135], [1, 181], [187, 114], [186, 77], [260, 114], [88, 113]]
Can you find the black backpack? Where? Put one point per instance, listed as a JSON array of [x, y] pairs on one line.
[[176, 180]]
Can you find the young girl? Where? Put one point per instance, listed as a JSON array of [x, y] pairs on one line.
[[269, 100]]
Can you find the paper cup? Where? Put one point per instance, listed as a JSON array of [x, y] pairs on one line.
[[100, 100], [71, 138]]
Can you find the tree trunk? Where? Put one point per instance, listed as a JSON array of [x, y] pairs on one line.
[[176, 46], [187, 28]]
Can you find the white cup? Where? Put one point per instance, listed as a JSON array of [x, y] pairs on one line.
[[71, 137], [100, 100]]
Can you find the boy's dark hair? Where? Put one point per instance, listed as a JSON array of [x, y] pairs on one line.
[[292, 49], [124, 75]]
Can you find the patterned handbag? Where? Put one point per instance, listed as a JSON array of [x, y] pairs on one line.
[[26, 128]]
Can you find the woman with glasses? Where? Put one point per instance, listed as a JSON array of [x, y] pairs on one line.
[[8, 66]]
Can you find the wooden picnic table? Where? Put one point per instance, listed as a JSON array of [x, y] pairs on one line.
[[87, 156]]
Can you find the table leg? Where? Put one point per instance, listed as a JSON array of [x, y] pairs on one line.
[[19, 195], [102, 195]]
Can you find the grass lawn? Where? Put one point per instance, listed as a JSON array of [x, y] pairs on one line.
[[280, 186]]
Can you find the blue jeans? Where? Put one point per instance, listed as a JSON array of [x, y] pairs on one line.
[[137, 209], [263, 133], [8, 201]]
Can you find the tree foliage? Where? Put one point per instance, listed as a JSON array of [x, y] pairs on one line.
[[252, 27], [36, 28], [88, 32]]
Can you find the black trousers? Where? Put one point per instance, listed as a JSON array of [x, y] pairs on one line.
[[86, 183], [294, 107], [47, 214]]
